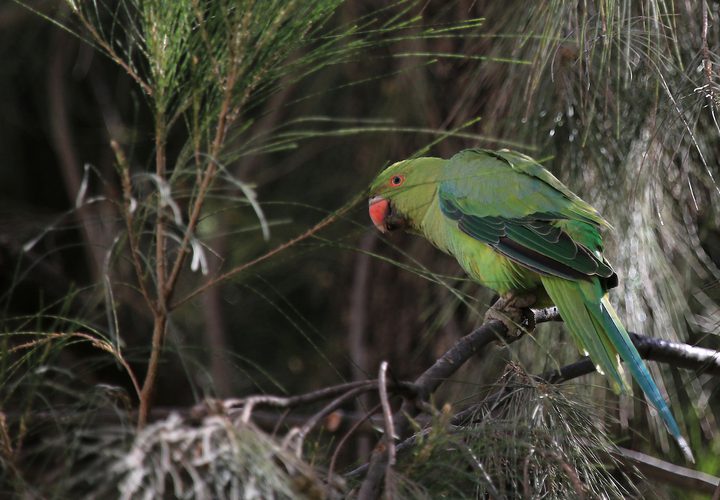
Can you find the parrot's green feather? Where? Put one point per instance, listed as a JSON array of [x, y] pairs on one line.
[[532, 190], [579, 305], [534, 241], [514, 227]]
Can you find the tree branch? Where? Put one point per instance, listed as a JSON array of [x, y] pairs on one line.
[[431, 379], [675, 353], [678, 354], [694, 358]]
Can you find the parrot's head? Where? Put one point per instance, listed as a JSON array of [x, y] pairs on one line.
[[401, 195]]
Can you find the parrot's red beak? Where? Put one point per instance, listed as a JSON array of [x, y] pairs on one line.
[[379, 208]]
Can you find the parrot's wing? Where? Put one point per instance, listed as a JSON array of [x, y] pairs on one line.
[[510, 184], [530, 217]]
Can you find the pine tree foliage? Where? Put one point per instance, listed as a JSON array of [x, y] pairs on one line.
[[534, 442]]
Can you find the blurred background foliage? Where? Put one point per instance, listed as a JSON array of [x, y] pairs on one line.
[[618, 99]]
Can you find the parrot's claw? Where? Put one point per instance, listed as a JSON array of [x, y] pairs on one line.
[[514, 312]]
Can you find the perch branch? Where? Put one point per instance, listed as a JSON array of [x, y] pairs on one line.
[[679, 354], [431, 379]]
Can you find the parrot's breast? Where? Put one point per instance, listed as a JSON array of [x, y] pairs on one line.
[[480, 261], [491, 269]]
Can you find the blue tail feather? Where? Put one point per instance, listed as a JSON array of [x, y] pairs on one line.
[[629, 354]]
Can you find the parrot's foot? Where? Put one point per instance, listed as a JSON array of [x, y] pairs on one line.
[[514, 312]]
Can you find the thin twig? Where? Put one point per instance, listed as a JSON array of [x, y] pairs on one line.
[[706, 50], [110, 52], [443, 368], [128, 215], [227, 115], [284, 246], [354, 428], [248, 404], [262, 399], [207, 179], [389, 429], [668, 473], [299, 434], [160, 313]]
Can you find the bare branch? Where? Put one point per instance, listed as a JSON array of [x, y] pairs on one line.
[[389, 428], [248, 404], [678, 354], [299, 433], [430, 380]]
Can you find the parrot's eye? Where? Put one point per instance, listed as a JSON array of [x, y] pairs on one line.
[[396, 180]]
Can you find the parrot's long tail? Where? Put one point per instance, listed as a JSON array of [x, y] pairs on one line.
[[599, 333]]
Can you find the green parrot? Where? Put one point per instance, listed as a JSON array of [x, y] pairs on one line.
[[515, 228]]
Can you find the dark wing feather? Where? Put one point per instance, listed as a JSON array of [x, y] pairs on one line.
[[534, 241]]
